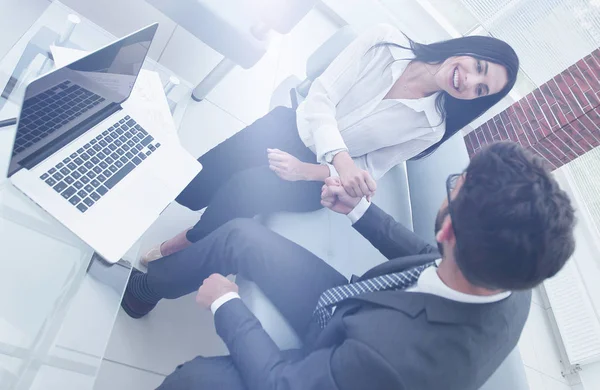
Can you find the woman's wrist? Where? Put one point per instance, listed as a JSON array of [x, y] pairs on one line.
[[315, 172], [342, 160]]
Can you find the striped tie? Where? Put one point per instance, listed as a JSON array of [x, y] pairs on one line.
[[396, 281]]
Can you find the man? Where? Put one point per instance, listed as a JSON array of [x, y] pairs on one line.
[[423, 320]]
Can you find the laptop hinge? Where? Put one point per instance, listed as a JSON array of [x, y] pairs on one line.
[[69, 136]]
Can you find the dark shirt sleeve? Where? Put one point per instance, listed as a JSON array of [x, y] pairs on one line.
[[348, 366], [391, 238]]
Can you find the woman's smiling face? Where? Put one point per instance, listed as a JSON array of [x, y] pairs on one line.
[[468, 78]]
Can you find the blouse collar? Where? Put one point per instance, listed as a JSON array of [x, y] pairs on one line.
[[425, 104]]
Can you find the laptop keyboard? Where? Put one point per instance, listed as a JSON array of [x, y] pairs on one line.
[[93, 170], [48, 111]]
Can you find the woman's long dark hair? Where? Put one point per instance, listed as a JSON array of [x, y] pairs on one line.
[[455, 112]]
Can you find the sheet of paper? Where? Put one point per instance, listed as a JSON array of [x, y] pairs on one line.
[[64, 56], [147, 103], [149, 106]]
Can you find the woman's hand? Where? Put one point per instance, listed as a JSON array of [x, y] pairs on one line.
[[287, 166], [356, 182], [335, 197]]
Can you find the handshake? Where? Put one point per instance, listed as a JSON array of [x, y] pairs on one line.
[[335, 197]]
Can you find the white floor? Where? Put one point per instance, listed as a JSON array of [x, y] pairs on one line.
[[142, 352]]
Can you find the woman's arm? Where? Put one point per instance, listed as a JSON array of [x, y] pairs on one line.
[[317, 122], [290, 168], [316, 172], [356, 181]]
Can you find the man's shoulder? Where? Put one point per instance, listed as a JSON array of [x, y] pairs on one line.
[[440, 310], [425, 331], [519, 304]]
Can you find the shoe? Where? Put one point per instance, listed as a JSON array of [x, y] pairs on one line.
[[133, 306], [151, 255]]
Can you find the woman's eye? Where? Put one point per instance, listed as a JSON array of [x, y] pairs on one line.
[[478, 66]]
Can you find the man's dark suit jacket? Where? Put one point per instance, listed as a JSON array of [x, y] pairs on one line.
[[384, 340]]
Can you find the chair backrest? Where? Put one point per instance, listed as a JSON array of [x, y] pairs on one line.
[[427, 182], [324, 55]]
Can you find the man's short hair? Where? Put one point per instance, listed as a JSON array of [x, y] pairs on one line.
[[513, 224]]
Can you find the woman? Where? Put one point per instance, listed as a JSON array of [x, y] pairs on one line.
[[383, 100]]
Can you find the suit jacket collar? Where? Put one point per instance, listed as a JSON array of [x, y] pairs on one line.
[[437, 309], [399, 265]]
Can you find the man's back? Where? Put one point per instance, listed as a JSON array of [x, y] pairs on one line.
[[417, 341]]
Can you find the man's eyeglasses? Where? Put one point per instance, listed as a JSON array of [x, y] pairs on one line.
[[451, 183]]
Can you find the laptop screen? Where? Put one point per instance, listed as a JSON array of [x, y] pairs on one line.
[[74, 98]]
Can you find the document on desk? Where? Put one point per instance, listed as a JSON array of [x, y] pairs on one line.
[[147, 103]]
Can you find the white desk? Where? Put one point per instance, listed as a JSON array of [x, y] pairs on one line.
[[57, 304]]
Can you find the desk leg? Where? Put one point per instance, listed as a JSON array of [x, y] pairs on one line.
[[39, 44]]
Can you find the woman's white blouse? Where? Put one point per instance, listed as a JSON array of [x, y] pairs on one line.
[[345, 110]]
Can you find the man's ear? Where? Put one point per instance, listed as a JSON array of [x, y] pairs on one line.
[[446, 233]]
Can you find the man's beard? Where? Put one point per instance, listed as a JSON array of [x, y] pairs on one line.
[[439, 221]]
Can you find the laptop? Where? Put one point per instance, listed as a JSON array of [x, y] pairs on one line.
[[83, 158]]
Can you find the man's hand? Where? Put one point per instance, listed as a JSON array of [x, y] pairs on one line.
[[356, 182], [335, 197], [214, 287]]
